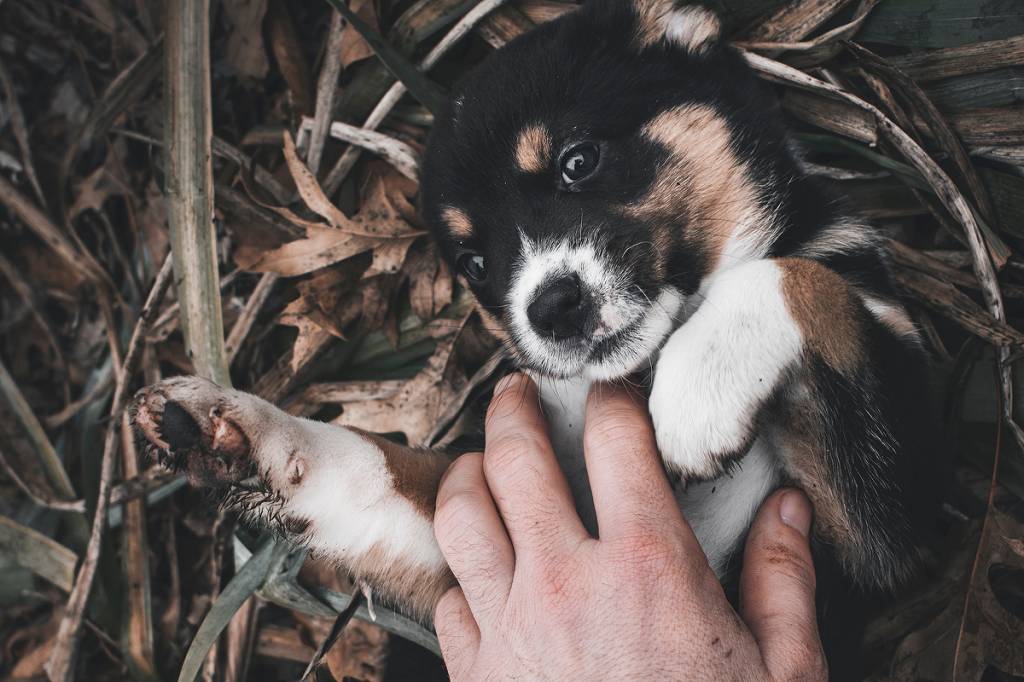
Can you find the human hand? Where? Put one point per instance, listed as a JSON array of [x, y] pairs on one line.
[[539, 598]]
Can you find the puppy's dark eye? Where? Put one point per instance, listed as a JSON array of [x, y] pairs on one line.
[[579, 161], [474, 265]]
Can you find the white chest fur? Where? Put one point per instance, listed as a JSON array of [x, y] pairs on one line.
[[719, 511]]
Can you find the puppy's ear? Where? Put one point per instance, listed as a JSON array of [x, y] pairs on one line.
[[674, 23]]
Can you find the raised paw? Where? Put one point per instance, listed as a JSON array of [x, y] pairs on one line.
[[699, 427], [191, 424]]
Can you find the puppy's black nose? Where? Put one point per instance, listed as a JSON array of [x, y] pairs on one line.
[[560, 309]]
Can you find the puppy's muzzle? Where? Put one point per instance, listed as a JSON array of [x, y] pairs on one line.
[[561, 310]]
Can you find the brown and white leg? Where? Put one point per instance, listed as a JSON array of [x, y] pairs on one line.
[[790, 334], [354, 498]]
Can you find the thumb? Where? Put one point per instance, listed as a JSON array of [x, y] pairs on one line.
[[777, 588]]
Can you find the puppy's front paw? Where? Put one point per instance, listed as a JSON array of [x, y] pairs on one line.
[[702, 420], [194, 425]]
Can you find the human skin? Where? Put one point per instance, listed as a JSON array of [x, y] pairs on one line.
[[540, 598]]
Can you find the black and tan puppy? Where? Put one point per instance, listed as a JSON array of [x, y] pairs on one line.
[[618, 190]]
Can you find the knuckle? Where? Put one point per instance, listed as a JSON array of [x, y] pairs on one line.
[[506, 404], [645, 555], [807, 662], [453, 513], [618, 428], [507, 453], [790, 564], [559, 585]]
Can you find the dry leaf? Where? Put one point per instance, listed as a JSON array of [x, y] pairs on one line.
[[309, 188], [990, 634], [284, 40], [354, 48], [322, 246], [389, 256], [377, 216], [415, 409], [245, 49], [93, 191]]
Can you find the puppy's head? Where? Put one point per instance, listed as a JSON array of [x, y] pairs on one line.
[[589, 176]]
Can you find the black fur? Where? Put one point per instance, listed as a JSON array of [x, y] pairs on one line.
[[584, 78]]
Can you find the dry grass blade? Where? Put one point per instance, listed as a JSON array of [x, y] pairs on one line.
[[137, 630], [422, 88], [936, 124], [337, 627], [795, 21], [61, 664], [20, 133], [48, 457], [946, 300], [843, 32], [40, 498], [190, 184], [243, 325], [982, 250], [38, 553], [43, 227], [960, 61]]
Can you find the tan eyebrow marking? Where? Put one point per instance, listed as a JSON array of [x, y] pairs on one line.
[[459, 224], [533, 149], [703, 180]]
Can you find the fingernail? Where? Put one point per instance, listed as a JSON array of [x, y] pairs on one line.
[[509, 381], [795, 511]]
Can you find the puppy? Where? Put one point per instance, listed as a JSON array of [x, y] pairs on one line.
[[618, 191]]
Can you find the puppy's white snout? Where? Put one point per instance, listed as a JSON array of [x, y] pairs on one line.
[[560, 309]]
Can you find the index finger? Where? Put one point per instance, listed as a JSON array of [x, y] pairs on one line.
[[523, 474], [628, 481]]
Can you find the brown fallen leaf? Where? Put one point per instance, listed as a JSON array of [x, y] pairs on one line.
[[429, 282], [93, 190], [389, 256], [414, 410], [322, 246], [989, 634], [354, 47], [377, 217], [284, 41], [245, 49]]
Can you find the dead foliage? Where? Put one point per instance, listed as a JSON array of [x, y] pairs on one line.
[[333, 301]]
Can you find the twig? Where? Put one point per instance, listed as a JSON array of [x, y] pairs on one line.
[[400, 155], [243, 325], [326, 86], [61, 664], [41, 500], [392, 96], [337, 628], [128, 490]]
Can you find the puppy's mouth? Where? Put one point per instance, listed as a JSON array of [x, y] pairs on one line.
[[576, 310], [634, 344]]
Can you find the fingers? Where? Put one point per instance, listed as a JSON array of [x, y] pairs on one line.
[[457, 633], [777, 588], [624, 467], [523, 475], [472, 536]]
